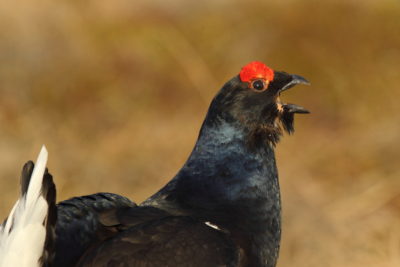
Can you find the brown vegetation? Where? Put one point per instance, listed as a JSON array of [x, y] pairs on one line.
[[117, 91]]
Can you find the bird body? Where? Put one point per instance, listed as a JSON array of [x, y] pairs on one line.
[[231, 182], [222, 208]]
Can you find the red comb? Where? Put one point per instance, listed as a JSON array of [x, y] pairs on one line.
[[256, 70]]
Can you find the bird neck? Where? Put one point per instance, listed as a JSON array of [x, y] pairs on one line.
[[231, 185], [235, 185]]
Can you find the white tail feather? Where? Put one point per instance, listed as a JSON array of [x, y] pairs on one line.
[[23, 235]]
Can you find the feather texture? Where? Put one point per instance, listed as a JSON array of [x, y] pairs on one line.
[[23, 238]]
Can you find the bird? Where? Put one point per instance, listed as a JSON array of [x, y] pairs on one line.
[[222, 208], [27, 236]]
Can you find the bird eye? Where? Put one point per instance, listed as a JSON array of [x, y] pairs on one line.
[[258, 85]]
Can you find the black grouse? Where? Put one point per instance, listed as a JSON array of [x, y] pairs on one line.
[[221, 209]]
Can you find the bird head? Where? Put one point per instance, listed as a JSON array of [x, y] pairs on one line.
[[252, 99]]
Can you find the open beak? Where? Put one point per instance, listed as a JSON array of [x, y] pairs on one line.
[[285, 81]]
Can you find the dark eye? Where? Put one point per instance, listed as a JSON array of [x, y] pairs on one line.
[[258, 85]]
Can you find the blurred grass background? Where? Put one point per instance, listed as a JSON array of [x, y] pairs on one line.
[[117, 91]]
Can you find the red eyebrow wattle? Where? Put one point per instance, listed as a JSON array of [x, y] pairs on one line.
[[256, 70]]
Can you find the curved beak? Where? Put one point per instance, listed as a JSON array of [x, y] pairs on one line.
[[284, 81], [293, 80]]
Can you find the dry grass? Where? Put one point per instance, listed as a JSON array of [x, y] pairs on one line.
[[117, 91]]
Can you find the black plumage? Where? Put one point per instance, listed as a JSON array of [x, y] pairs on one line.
[[79, 226], [221, 209]]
